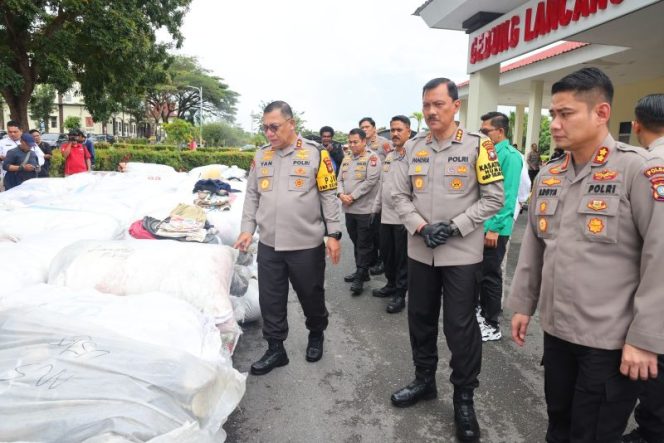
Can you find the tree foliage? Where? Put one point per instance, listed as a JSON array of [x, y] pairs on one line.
[[419, 117], [544, 142], [42, 103], [225, 134], [72, 122], [108, 46], [180, 131]]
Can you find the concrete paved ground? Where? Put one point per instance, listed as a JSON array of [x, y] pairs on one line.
[[345, 396]]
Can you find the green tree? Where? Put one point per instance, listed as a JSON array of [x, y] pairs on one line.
[[180, 131], [42, 103], [419, 117], [257, 117], [72, 122], [224, 134], [545, 135], [109, 47]]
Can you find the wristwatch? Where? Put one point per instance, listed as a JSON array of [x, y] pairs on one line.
[[335, 235]]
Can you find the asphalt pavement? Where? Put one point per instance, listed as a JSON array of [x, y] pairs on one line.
[[345, 397]]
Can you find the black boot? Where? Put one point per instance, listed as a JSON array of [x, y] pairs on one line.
[[274, 357], [422, 388], [350, 277], [467, 428], [385, 291], [397, 303], [361, 276], [377, 269], [315, 346]]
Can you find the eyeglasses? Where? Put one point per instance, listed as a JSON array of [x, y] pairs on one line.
[[487, 131], [273, 127]]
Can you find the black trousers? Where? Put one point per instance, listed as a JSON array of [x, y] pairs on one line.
[[532, 174], [306, 271], [375, 232], [462, 333], [359, 231], [649, 414], [394, 247], [491, 281], [587, 398]]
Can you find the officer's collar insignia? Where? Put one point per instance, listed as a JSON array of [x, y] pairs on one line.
[[422, 153], [459, 135], [595, 225], [601, 156], [298, 144], [429, 138], [605, 175], [551, 181], [562, 167]]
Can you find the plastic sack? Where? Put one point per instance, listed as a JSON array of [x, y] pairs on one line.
[[233, 173], [208, 171], [247, 308], [197, 273], [152, 170], [152, 318], [65, 379]]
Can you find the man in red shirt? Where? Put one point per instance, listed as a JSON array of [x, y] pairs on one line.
[[77, 157]]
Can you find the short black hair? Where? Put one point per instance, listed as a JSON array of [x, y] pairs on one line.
[[358, 131], [401, 118], [326, 129], [452, 89], [585, 81], [32, 131], [498, 120], [280, 105], [13, 123], [367, 119], [649, 112]]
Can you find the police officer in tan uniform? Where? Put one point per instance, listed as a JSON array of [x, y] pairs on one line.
[[393, 235], [591, 258], [358, 186], [382, 147], [450, 184], [290, 198], [649, 414]]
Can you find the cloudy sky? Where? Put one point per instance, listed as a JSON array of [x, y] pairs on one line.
[[336, 61]]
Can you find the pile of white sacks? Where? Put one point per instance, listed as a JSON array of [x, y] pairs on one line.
[[108, 338]]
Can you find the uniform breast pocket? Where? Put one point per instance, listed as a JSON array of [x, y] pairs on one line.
[[299, 179], [360, 173], [547, 219], [265, 179], [599, 218], [419, 176], [456, 178]]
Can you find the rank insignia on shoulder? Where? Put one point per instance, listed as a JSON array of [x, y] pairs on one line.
[[655, 170], [298, 144], [459, 135], [253, 165], [601, 156], [561, 168], [386, 147], [657, 188], [605, 175]]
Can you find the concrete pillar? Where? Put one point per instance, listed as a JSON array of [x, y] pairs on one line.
[[534, 113], [463, 113], [517, 136], [482, 95]]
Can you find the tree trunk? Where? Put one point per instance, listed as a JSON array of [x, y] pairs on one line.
[[18, 105], [61, 113]]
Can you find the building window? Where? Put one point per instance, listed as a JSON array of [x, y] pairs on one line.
[[54, 122]]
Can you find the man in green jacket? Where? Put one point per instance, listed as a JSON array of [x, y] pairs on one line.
[[497, 229]]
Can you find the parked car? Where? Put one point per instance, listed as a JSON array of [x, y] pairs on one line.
[[2, 133], [105, 138], [54, 139]]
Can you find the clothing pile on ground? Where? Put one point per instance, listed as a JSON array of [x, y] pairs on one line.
[[106, 336]]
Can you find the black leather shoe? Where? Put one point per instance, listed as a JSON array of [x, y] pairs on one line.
[[419, 389], [385, 291], [397, 304], [377, 270], [274, 357], [633, 437], [315, 347], [350, 277], [361, 276], [467, 428]]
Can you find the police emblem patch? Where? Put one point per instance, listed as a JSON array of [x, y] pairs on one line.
[[605, 175], [265, 184], [657, 188], [543, 206], [595, 225], [597, 205], [543, 224], [456, 184], [265, 171], [462, 169], [300, 171], [299, 183], [656, 170], [419, 183], [418, 169], [373, 160]]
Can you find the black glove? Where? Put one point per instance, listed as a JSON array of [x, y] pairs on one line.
[[431, 236], [444, 231]]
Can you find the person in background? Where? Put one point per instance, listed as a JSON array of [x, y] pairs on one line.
[[334, 149], [534, 161], [649, 414], [21, 164], [557, 153], [77, 157], [88, 144], [47, 149]]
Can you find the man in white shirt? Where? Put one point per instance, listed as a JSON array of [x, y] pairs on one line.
[[13, 140]]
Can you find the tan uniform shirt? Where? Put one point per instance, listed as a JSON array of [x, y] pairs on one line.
[[457, 179], [359, 177], [657, 147], [384, 202], [381, 146], [286, 190], [593, 250]]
